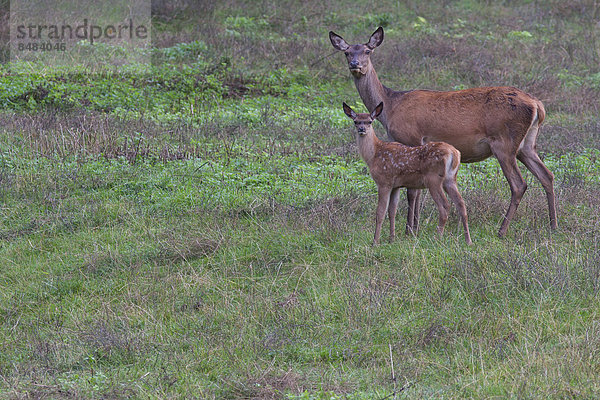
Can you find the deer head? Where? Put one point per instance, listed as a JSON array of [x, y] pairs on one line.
[[358, 55], [363, 121]]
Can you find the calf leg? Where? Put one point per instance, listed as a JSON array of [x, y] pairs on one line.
[[383, 195], [412, 218], [442, 204], [392, 208], [451, 188], [417, 211]]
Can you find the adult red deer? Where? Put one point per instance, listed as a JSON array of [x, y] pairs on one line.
[[479, 122]]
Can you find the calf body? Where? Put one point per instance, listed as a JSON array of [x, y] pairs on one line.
[[393, 165]]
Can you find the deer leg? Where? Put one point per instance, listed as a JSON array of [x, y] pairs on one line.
[[383, 195], [508, 163], [417, 211], [392, 208], [533, 163], [412, 198], [438, 196], [451, 188]]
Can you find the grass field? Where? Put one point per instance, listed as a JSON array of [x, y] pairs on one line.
[[201, 227]]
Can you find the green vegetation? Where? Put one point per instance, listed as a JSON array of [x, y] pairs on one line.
[[201, 227]]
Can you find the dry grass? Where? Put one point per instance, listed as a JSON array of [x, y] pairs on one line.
[[56, 134]]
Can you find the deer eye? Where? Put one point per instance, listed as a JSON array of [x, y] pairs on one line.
[[347, 53], [367, 51]]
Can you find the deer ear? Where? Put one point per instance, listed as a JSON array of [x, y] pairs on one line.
[[338, 42], [376, 38], [348, 111], [375, 113]]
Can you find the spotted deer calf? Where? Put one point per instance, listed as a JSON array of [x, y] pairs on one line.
[[392, 166]]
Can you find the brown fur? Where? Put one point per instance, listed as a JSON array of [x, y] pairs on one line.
[[393, 165], [479, 122]]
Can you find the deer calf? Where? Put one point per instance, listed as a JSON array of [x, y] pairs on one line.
[[393, 165]]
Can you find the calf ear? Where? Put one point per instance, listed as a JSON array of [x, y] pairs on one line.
[[338, 42], [376, 38], [375, 113], [348, 111]]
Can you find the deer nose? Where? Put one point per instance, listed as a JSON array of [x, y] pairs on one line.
[[353, 64]]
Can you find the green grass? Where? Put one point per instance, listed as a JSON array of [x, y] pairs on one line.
[[112, 268], [201, 227]]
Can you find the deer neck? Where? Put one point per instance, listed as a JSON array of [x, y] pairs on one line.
[[367, 146], [372, 92]]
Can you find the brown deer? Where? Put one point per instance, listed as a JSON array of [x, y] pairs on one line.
[[479, 122], [393, 165]]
